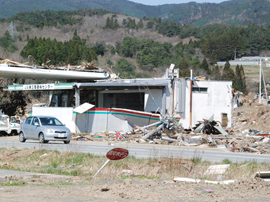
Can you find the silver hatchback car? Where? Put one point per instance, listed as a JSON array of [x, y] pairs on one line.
[[44, 129]]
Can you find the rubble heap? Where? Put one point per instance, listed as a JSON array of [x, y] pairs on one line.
[[242, 137]]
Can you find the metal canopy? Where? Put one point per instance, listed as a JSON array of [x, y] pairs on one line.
[[123, 84], [106, 85]]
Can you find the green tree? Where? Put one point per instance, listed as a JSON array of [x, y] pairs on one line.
[[116, 25], [109, 23], [124, 23], [71, 52], [243, 79], [204, 65], [238, 83], [229, 75], [150, 24], [125, 69], [183, 69], [140, 24], [12, 103], [7, 42], [216, 74], [131, 24], [100, 48], [227, 66]]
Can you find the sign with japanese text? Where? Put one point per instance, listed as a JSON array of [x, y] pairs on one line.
[[38, 87], [117, 154]]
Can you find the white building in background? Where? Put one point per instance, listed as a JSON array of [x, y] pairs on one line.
[[121, 104]]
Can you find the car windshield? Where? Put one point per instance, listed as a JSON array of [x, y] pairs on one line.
[[50, 121]]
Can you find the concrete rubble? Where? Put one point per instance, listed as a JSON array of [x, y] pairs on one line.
[[169, 132], [207, 132]]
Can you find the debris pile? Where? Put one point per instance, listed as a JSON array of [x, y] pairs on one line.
[[208, 133], [85, 66], [7, 61]]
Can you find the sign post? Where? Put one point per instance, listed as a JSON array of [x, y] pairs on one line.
[[114, 155]]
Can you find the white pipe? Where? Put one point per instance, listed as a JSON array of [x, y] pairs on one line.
[[102, 167], [260, 86]]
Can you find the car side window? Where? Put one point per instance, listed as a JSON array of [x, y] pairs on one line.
[[28, 120], [35, 121], [44, 121]]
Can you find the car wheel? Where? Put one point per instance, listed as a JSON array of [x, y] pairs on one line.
[[67, 142], [21, 137], [41, 138]]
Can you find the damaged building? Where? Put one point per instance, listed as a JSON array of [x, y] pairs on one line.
[[121, 104]]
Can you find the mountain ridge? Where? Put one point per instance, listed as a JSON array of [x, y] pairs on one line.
[[233, 12]]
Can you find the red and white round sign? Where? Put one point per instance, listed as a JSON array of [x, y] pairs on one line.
[[117, 154]]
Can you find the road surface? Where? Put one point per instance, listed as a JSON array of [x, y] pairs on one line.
[[140, 150]]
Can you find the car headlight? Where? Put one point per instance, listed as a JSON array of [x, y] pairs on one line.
[[48, 130]]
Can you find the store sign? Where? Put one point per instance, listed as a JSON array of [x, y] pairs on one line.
[[38, 87]]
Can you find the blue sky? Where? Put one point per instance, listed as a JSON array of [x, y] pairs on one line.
[[162, 2]]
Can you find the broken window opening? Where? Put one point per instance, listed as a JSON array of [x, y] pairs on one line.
[[134, 101], [88, 96], [199, 89], [63, 98]]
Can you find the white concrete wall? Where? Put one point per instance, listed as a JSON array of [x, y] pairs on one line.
[[216, 100], [64, 114], [87, 123]]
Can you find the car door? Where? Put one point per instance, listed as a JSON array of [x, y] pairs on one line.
[[35, 128], [26, 127]]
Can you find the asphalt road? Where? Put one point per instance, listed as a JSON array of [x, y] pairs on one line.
[[141, 150]]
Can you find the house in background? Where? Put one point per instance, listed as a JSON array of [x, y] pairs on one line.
[[121, 104]]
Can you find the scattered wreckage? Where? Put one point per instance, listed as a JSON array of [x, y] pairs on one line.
[[207, 132]]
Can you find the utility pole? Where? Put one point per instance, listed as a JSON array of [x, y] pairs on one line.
[[260, 86], [190, 109]]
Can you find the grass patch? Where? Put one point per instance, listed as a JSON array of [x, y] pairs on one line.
[[51, 184], [65, 183], [145, 177], [15, 183], [125, 177], [86, 165], [36, 176], [6, 167], [226, 161], [78, 158], [196, 160]]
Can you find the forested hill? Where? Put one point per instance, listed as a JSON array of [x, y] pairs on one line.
[[233, 12]]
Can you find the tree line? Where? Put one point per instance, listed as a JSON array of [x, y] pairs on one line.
[[218, 42], [40, 19], [147, 53], [71, 52]]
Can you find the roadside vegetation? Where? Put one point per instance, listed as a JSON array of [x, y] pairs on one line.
[[86, 165]]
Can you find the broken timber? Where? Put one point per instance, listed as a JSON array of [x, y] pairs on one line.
[[153, 131]]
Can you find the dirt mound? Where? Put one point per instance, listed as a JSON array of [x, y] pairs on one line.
[[254, 117]]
